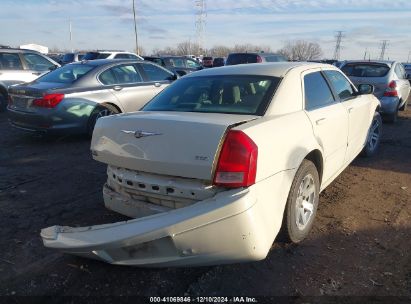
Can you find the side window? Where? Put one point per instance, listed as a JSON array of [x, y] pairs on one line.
[[121, 56], [10, 61], [399, 71], [341, 85], [107, 77], [155, 73], [37, 63], [124, 74], [317, 92], [192, 64]]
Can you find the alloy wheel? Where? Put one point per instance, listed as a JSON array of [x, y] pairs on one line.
[[305, 202]]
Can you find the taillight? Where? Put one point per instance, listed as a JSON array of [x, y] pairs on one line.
[[48, 100], [237, 163], [259, 59], [391, 91]]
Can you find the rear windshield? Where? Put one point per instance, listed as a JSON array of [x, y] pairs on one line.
[[68, 57], [365, 69], [207, 58], [275, 58], [95, 55], [67, 74], [217, 94], [241, 58]]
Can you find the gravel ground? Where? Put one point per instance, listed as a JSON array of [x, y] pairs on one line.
[[360, 244]]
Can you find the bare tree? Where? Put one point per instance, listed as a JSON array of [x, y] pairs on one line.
[[187, 48], [301, 50], [241, 48], [219, 51]]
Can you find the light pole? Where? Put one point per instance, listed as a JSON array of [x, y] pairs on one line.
[[408, 59], [135, 27], [71, 36]]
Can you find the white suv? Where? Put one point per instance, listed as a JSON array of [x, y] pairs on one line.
[[111, 55], [20, 65]]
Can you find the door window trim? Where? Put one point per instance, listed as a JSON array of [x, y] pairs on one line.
[[128, 84], [336, 96], [336, 99]]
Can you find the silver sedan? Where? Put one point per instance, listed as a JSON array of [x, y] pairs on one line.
[[71, 98]]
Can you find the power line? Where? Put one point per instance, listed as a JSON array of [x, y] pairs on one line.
[[384, 45], [337, 50]]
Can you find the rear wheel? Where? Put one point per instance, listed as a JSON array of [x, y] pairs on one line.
[[391, 118], [100, 111], [374, 136], [3, 102], [302, 203]]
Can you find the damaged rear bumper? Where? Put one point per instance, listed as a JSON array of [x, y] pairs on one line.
[[222, 229]]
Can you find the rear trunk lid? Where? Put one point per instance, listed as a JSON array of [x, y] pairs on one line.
[[380, 83], [180, 144], [22, 96]]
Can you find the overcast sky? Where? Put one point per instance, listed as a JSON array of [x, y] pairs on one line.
[[99, 24]]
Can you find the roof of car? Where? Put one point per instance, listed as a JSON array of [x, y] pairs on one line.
[[388, 62], [14, 50], [276, 69], [100, 62]]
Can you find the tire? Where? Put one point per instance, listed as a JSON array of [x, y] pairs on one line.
[[391, 118], [100, 111], [294, 228], [3, 102], [374, 136], [404, 106]]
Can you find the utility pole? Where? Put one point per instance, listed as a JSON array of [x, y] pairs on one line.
[[365, 53], [71, 36], [408, 59], [201, 14], [384, 44], [337, 50], [135, 28]]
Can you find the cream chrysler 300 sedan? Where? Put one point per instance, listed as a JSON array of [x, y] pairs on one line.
[[222, 161]]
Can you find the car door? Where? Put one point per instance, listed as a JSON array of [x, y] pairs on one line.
[[403, 83], [12, 69], [329, 120], [358, 109], [155, 76], [127, 84]]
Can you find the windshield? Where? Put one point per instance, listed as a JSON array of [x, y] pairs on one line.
[[365, 69], [67, 74], [245, 94], [95, 55]]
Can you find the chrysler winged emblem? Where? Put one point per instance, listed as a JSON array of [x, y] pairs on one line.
[[140, 133]]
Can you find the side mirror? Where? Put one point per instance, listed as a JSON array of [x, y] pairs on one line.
[[52, 68], [174, 77], [364, 89], [181, 73], [408, 76]]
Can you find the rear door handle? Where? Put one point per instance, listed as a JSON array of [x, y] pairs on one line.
[[117, 88], [320, 121], [157, 84], [350, 109], [36, 73]]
